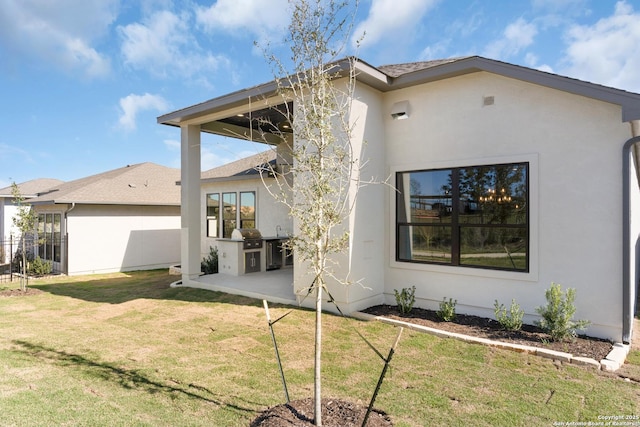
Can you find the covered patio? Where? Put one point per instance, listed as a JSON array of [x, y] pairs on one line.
[[275, 286]]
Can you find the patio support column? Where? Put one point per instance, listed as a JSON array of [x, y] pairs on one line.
[[190, 202]]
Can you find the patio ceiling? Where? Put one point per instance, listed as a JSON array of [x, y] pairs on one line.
[[267, 125]]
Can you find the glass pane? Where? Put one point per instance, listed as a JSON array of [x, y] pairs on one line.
[[426, 196], [213, 214], [493, 194], [247, 223], [424, 243], [48, 251], [213, 205], [57, 236], [497, 247], [247, 207], [41, 235], [227, 228], [229, 206]]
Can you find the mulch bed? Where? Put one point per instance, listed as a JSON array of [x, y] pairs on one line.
[[19, 293], [335, 413], [481, 327]]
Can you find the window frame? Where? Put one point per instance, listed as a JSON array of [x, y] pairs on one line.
[[248, 221], [208, 218], [456, 225], [229, 222]]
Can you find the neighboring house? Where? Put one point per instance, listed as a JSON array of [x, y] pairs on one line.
[[122, 220], [506, 179], [8, 209]]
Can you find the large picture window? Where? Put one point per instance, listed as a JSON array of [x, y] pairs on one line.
[[226, 214], [469, 216]]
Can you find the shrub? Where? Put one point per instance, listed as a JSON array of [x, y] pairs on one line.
[[209, 265], [557, 315], [39, 267], [447, 311], [405, 299], [512, 320]]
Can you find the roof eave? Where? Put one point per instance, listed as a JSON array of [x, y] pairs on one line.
[[628, 101], [372, 76], [222, 103]]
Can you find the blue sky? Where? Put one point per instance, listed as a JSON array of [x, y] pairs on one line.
[[82, 81]]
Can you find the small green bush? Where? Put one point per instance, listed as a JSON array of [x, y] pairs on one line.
[[209, 265], [512, 320], [39, 267], [405, 299], [447, 311], [557, 315]]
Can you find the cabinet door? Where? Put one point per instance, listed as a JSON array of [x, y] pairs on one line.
[[251, 262]]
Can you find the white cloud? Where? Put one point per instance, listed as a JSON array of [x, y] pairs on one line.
[[257, 17], [172, 144], [132, 104], [391, 18], [163, 45], [60, 32], [516, 36], [607, 52]]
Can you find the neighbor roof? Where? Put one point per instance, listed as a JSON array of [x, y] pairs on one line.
[[31, 188], [392, 77], [246, 168], [139, 184]]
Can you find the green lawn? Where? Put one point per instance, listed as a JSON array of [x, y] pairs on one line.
[[127, 350]]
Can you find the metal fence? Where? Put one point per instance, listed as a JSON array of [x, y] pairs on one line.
[[44, 256]]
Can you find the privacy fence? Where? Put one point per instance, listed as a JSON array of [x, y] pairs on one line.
[[43, 255]]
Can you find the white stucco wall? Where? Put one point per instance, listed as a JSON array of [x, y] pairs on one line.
[[9, 211], [122, 238], [574, 148]]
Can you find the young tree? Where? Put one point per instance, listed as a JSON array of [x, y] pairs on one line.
[[320, 184], [25, 220]]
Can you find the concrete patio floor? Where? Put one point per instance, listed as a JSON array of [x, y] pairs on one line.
[[274, 286]]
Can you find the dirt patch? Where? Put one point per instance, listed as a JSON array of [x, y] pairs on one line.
[[335, 413], [19, 293], [481, 327]]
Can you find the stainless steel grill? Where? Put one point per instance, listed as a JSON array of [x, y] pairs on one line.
[[251, 237]]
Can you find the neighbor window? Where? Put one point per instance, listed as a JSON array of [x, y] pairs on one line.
[[229, 209], [468, 216], [213, 214], [49, 236]]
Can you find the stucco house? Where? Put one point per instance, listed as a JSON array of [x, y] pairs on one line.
[[504, 180], [8, 209], [121, 220]]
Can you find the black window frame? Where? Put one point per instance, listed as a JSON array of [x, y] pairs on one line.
[[247, 217], [453, 209], [229, 213], [212, 231]]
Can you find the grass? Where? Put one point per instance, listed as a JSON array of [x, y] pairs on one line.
[[127, 350]]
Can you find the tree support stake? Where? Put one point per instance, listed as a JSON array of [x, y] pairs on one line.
[[275, 346], [387, 361]]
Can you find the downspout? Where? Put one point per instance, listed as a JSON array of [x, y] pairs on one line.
[[66, 239], [627, 291]]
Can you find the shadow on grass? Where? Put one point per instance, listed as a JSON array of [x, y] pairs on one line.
[[126, 378], [152, 284]]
